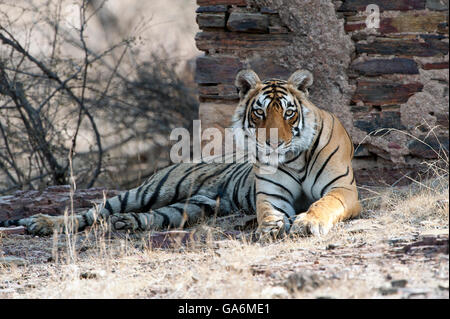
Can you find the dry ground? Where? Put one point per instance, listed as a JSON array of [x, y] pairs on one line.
[[398, 248]]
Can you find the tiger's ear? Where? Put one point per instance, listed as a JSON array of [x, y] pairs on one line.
[[301, 79], [245, 81]]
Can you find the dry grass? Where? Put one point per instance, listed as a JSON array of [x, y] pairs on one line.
[[358, 259]]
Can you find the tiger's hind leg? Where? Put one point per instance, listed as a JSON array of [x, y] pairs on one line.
[[176, 215]]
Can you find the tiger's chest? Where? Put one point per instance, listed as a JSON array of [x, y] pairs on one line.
[[286, 184]]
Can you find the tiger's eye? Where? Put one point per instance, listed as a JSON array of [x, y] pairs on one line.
[[259, 111], [289, 113]]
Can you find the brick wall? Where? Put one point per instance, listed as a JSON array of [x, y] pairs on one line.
[[395, 76]]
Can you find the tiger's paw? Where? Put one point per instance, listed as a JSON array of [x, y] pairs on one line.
[[44, 225], [308, 224], [271, 227], [124, 222]]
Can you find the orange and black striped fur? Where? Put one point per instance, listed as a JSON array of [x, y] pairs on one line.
[[312, 188]]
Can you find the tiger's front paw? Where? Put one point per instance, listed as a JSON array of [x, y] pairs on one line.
[[307, 224], [271, 227], [44, 225]]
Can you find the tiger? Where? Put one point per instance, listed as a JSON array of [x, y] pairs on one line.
[[312, 188]]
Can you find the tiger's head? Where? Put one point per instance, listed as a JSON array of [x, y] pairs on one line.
[[275, 104]]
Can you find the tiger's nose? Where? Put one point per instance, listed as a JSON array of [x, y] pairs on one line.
[[274, 144]]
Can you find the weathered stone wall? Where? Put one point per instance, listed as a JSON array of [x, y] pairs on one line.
[[395, 76]]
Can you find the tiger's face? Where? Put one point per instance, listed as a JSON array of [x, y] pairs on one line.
[[273, 114]]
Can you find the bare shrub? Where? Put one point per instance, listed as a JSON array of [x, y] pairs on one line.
[[98, 108]]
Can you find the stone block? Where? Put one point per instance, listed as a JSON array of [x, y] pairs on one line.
[[430, 47], [207, 40], [403, 5], [211, 20], [407, 22], [374, 121], [221, 2], [209, 9], [217, 69], [248, 22], [267, 10], [438, 5], [267, 69], [429, 147], [435, 66], [221, 91], [385, 66], [384, 93], [413, 22]]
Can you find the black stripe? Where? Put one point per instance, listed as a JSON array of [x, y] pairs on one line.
[[179, 210], [136, 217], [139, 190], [123, 204], [274, 195], [280, 88], [349, 189], [166, 220], [329, 139], [353, 179], [109, 208], [238, 186], [155, 194], [144, 193], [223, 186], [284, 212], [194, 167], [294, 158], [332, 181], [275, 183], [248, 199], [290, 175], [303, 116], [323, 167], [187, 173], [85, 220], [316, 142], [214, 174]]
